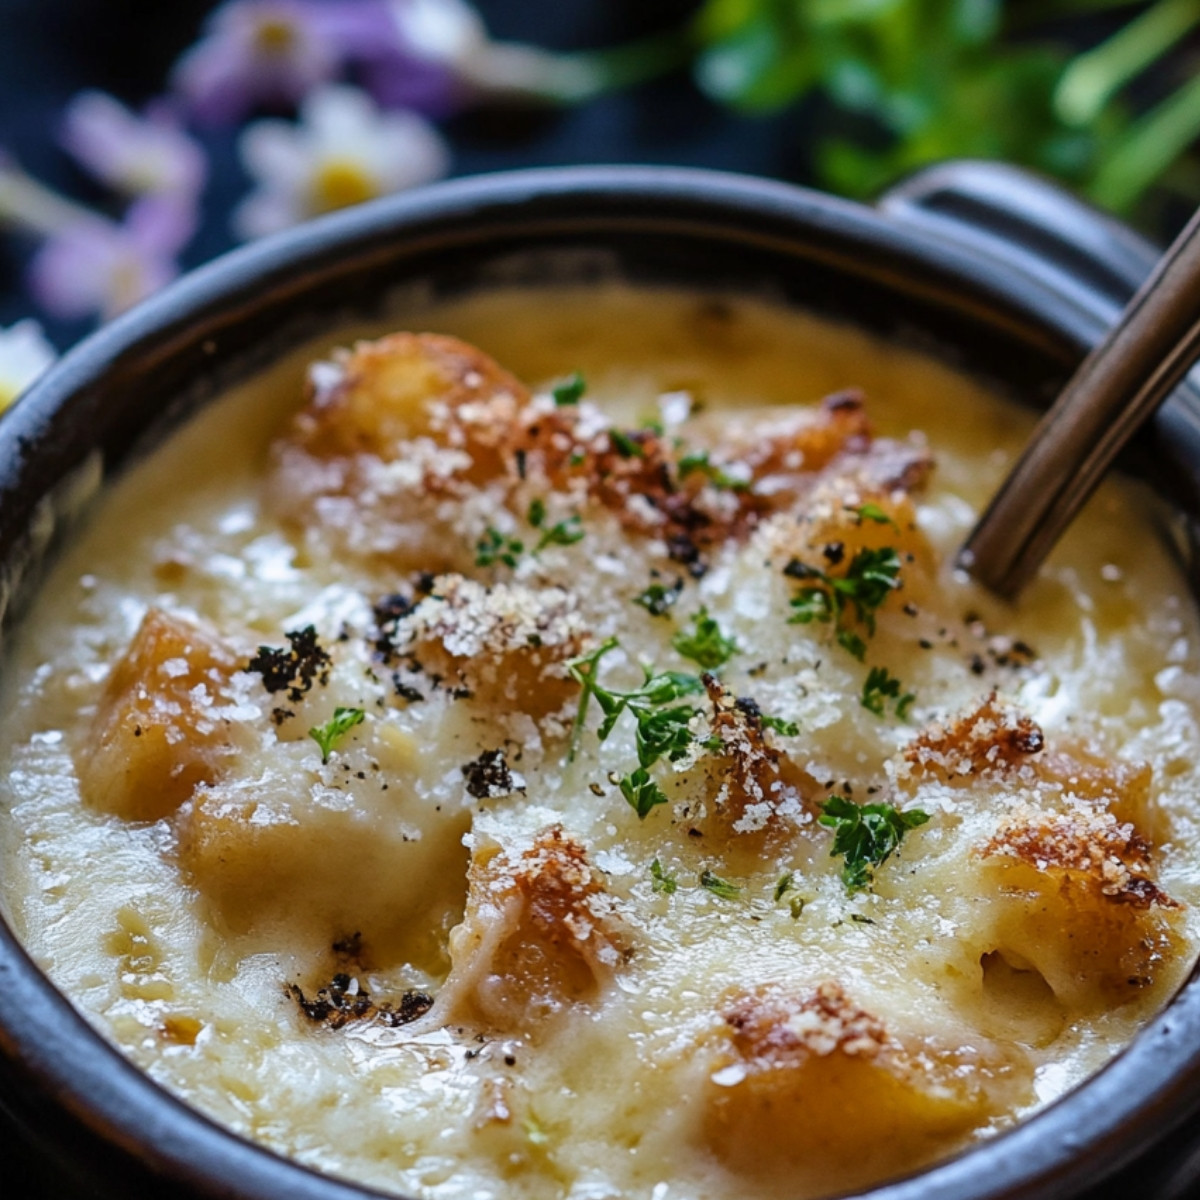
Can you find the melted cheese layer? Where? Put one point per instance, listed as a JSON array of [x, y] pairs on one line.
[[453, 959]]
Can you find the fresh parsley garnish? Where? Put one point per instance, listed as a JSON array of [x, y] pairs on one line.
[[704, 643], [661, 724], [641, 792], [658, 598], [880, 687], [866, 835], [852, 643], [494, 547], [569, 391], [872, 512], [562, 533], [784, 885], [698, 460], [871, 577], [625, 445], [342, 721], [660, 881], [718, 886], [779, 725]]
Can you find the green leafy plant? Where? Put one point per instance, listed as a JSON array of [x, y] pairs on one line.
[[569, 391], [855, 595], [562, 533], [340, 724], [704, 643], [891, 85], [880, 687], [660, 881], [718, 886], [866, 835], [661, 731]]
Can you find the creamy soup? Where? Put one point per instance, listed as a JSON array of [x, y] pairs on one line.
[[564, 762]]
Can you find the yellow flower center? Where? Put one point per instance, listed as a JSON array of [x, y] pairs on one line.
[[274, 36], [8, 394], [341, 182]]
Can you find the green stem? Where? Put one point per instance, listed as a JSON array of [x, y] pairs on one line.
[[32, 206], [1148, 149], [636, 62], [509, 67], [1095, 77]]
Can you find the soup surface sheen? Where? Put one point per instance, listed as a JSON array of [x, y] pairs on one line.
[[455, 958]]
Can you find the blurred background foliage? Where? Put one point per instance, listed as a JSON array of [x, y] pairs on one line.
[[1101, 94], [847, 95]]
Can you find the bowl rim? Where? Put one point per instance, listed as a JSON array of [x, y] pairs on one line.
[[68, 1067]]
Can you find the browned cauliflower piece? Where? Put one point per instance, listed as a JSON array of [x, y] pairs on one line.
[[1071, 895], [992, 736], [540, 935], [157, 732], [270, 857], [807, 1086], [391, 428], [756, 795], [506, 644], [381, 396]]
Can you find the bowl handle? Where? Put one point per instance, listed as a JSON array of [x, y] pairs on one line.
[[1008, 214]]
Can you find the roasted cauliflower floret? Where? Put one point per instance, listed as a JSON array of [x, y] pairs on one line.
[[991, 737], [1071, 895], [158, 731], [392, 428], [540, 935], [277, 853], [807, 1086], [756, 795], [1061, 888], [507, 644], [378, 398]]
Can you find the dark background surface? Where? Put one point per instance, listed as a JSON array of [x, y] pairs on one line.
[[49, 49]]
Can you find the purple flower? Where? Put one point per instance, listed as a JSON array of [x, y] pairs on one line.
[[416, 63], [97, 266], [257, 52], [440, 57], [136, 155]]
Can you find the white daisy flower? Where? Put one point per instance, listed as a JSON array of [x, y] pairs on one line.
[[343, 150], [24, 355]]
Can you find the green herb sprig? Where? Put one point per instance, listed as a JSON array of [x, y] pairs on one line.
[[871, 577], [569, 391], [879, 687], [779, 725], [660, 881], [340, 724], [704, 643], [873, 513], [661, 724], [562, 533], [658, 599], [718, 886], [866, 835], [494, 547], [698, 461]]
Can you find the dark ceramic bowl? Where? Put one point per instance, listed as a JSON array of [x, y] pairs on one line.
[[998, 272]]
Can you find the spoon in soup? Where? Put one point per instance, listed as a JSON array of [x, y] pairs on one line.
[[1114, 391]]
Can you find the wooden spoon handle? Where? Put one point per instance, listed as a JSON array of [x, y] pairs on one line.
[[1116, 388]]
